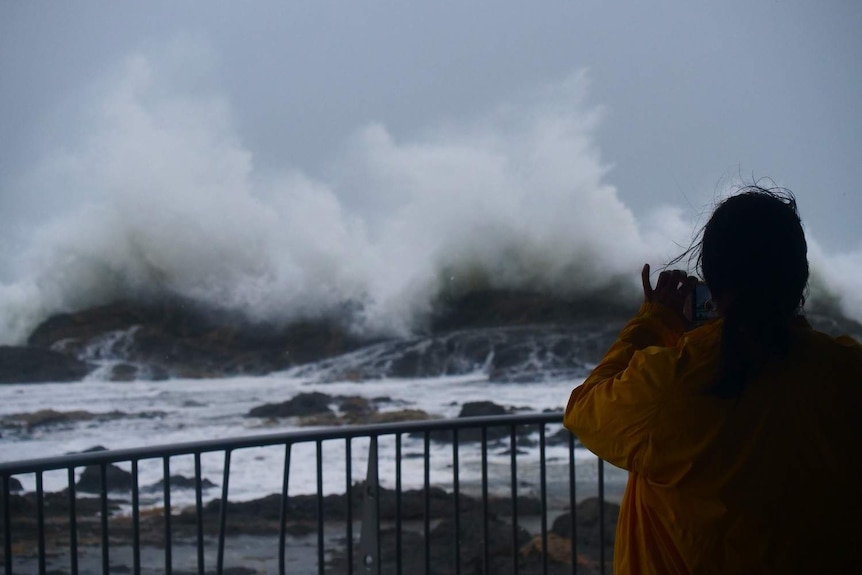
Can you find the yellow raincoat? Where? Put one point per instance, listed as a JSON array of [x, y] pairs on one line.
[[768, 482]]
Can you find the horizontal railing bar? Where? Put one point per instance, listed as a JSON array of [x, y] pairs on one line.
[[295, 436]]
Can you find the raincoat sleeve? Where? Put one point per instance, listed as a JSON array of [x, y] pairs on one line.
[[613, 410]]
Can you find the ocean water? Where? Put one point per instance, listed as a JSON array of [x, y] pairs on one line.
[[204, 409]]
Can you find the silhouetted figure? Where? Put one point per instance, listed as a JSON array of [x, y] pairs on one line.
[[743, 437]]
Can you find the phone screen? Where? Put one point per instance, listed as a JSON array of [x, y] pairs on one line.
[[703, 308]]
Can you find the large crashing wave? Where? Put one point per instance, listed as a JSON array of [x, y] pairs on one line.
[[166, 201]]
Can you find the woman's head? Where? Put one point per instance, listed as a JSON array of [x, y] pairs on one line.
[[753, 254], [754, 257]]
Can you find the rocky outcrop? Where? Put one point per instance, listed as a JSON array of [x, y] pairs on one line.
[[510, 335], [178, 482], [317, 409], [474, 434], [300, 405], [117, 479], [28, 422], [178, 338], [35, 365]]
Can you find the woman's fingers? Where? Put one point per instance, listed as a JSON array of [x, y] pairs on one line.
[[671, 287], [648, 291]]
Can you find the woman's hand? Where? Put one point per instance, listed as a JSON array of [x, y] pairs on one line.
[[672, 289]]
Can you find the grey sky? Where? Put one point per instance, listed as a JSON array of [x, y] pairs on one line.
[[695, 93]]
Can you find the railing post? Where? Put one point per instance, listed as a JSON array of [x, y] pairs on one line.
[[369, 545], [7, 524]]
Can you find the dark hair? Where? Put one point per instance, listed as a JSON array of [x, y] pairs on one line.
[[753, 257]]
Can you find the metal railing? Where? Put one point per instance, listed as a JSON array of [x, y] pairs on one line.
[[78, 534]]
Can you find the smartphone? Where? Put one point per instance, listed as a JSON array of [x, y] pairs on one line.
[[702, 306]]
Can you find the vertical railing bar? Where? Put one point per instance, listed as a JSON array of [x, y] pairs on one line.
[[514, 472], [282, 530], [602, 514], [7, 524], [455, 498], [543, 483], [320, 519], [166, 490], [40, 520], [73, 523], [369, 540], [348, 479], [379, 564], [485, 542], [573, 504], [136, 520], [199, 513], [398, 562], [427, 509], [223, 513], [103, 493]]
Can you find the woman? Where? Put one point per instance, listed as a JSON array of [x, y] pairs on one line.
[[743, 437]]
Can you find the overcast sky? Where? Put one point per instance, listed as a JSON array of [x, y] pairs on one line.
[[693, 94]]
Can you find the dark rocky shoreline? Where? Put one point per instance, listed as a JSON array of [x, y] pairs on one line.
[[179, 339], [261, 518], [499, 331]]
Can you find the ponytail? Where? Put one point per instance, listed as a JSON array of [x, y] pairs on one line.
[[748, 343]]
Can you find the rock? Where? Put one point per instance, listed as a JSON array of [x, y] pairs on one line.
[[179, 337], [46, 417], [124, 372], [515, 336], [587, 525], [14, 485], [303, 404], [50, 417], [481, 408], [117, 479], [37, 365], [179, 482], [400, 415], [561, 437], [501, 543], [474, 434], [480, 307], [559, 551], [356, 407], [327, 419]]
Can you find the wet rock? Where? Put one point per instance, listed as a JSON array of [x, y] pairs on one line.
[[179, 482], [303, 404], [48, 417], [52, 418], [479, 307], [328, 419], [39, 365], [182, 338], [356, 407], [587, 525], [481, 408], [513, 336], [116, 479], [561, 437], [14, 485], [474, 434], [124, 372]]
